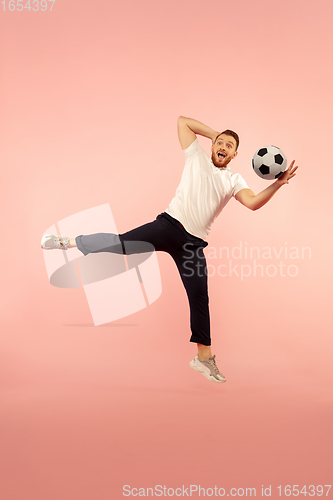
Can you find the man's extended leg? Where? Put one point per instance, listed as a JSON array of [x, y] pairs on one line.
[[138, 240], [154, 233]]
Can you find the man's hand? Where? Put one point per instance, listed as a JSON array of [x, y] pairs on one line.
[[287, 175], [255, 201]]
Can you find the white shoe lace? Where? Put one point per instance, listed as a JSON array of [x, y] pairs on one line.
[[213, 364], [63, 242]]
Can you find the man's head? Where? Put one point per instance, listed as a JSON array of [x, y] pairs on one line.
[[224, 148]]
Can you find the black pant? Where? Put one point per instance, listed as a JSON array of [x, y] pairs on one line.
[[166, 234]]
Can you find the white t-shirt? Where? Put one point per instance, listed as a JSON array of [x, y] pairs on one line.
[[203, 191]]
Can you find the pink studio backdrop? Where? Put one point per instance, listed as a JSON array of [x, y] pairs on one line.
[[90, 96]]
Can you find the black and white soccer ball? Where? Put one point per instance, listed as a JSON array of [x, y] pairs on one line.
[[269, 162]]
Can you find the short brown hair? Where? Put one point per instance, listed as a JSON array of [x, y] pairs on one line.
[[232, 134]]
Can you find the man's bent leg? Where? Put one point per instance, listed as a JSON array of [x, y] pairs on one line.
[[204, 351], [193, 272]]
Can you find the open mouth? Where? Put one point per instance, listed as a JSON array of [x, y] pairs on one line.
[[221, 155]]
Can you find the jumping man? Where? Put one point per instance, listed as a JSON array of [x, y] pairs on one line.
[[206, 186]]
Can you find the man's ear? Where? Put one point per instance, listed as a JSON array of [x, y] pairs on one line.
[[236, 153]]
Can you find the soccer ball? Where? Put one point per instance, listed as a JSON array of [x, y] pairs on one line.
[[269, 162]]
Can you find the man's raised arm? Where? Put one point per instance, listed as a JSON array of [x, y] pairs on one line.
[[254, 201], [189, 128]]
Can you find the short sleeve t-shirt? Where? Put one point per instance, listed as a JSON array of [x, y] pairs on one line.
[[203, 191]]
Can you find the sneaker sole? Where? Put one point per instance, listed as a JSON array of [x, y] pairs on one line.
[[44, 239], [199, 369]]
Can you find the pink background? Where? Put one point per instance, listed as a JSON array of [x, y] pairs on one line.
[[90, 96]]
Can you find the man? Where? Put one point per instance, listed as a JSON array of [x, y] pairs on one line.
[[207, 184]]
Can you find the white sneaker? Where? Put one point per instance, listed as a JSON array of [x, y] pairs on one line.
[[208, 368], [52, 242]]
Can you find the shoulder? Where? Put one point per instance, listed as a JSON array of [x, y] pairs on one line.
[[194, 150], [236, 177], [237, 182]]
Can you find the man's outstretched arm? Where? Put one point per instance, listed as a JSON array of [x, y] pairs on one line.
[[189, 128], [255, 201]]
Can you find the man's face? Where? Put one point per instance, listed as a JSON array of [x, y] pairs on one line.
[[224, 150]]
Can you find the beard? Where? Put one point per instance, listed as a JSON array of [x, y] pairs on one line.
[[218, 163]]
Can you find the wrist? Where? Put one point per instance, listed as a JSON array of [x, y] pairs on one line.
[[278, 183], [214, 135]]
